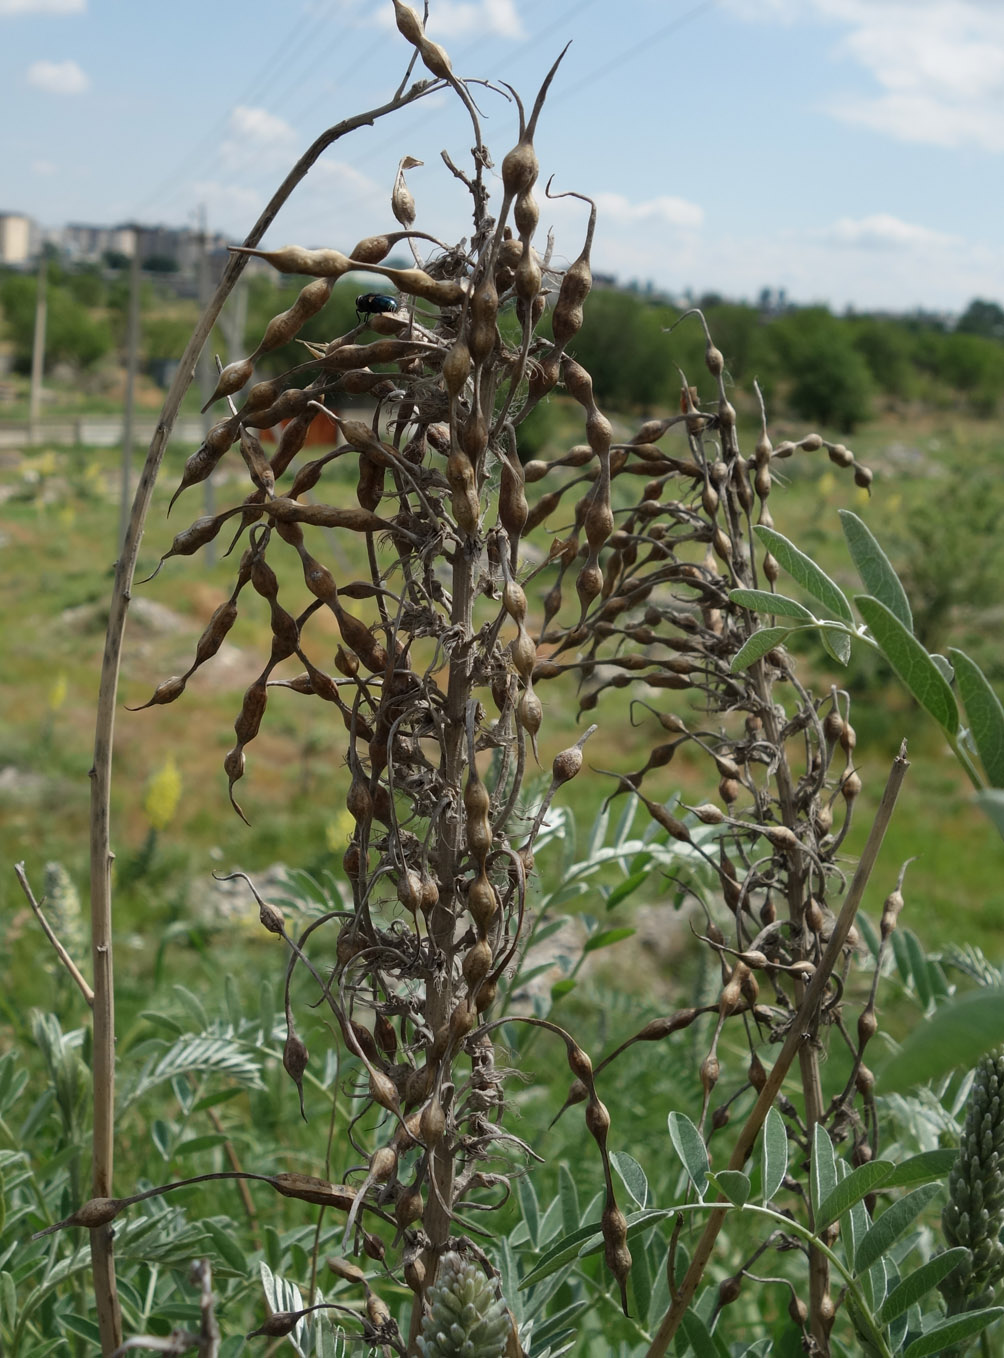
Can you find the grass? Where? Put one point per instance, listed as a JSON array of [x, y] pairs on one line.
[[59, 533]]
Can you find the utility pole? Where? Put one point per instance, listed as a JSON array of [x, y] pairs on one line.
[[37, 352], [132, 357]]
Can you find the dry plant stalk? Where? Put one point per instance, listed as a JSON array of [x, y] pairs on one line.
[[435, 683]]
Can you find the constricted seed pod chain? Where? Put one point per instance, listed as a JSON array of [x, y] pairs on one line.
[[413, 575]]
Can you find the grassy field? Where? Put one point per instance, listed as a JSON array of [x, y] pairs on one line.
[[58, 525]]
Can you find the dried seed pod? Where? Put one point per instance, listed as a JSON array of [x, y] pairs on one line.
[[756, 1074], [430, 894], [382, 1090], [485, 997], [372, 249], [477, 963], [402, 204], [710, 1070], [456, 368], [891, 908], [231, 379], [481, 321], [588, 584], [520, 168], [329, 264], [288, 404], [524, 655], [462, 1020], [164, 693], [282, 328], [528, 276], [843, 457], [385, 1034], [867, 1026], [294, 1061], [580, 1064], [530, 715], [567, 763], [409, 891], [482, 903], [615, 1249], [359, 799], [409, 1208], [414, 1273], [476, 436], [432, 1124], [512, 504], [252, 710], [477, 804]]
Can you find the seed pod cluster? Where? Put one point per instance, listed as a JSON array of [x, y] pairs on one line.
[[439, 530]]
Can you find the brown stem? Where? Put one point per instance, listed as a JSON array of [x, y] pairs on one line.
[[47, 929], [792, 1044], [103, 1075]]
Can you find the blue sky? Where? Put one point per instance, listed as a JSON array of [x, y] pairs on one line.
[[848, 151]]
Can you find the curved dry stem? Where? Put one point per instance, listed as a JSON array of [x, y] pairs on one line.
[[103, 1077], [792, 1046]]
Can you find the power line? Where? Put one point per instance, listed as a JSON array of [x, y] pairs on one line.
[[295, 42]]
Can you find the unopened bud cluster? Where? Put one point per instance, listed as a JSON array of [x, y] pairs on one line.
[[974, 1213]]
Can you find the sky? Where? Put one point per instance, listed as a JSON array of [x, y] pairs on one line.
[[850, 152]]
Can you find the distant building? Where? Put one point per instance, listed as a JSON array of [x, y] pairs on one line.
[[18, 238], [170, 249]]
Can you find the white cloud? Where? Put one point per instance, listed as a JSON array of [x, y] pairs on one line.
[[43, 167], [456, 19], [255, 137], [882, 231], [451, 19], [660, 211], [57, 77], [229, 207], [9, 8], [938, 64]]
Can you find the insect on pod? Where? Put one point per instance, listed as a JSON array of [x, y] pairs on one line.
[[371, 303]]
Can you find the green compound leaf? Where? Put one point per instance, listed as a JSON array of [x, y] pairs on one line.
[[804, 570], [837, 645], [918, 1283], [875, 568], [942, 1337], [734, 1184], [230, 1251], [606, 938], [632, 1176], [956, 1034], [689, 1146], [758, 645], [984, 714], [823, 1170], [703, 1343], [858, 1184], [774, 1153], [911, 662], [924, 1168], [891, 1225], [991, 801], [762, 601]]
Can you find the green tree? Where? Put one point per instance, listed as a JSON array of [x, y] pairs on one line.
[[887, 348], [830, 381], [982, 318], [73, 334]]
